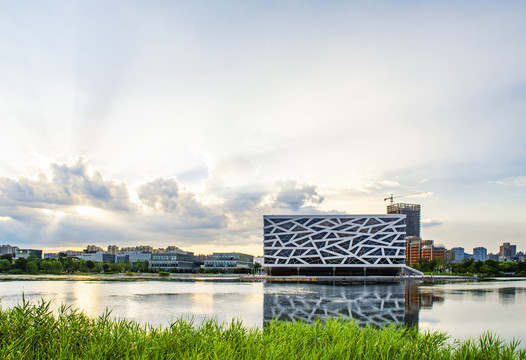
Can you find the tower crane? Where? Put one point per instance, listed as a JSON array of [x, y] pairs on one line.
[[399, 196]]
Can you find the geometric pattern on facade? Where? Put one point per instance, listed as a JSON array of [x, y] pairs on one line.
[[378, 307], [334, 240]]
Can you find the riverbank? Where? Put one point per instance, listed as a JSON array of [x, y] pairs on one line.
[[122, 277], [231, 277], [354, 279], [33, 332]]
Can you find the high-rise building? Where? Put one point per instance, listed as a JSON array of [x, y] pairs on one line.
[[113, 249], [507, 251], [480, 253], [93, 249], [8, 250], [459, 254], [412, 220]]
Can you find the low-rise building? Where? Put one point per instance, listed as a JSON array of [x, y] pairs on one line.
[[494, 257], [230, 261], [136, 256], [418, 250], [25, 253], [173, 261], [72, 253], [93, 256]]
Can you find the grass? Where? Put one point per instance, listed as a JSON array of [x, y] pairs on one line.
[[32, 331]]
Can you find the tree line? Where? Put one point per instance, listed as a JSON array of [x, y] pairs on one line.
[[34, 265], [470, 266]]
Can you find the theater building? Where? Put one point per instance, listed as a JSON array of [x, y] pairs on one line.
[[334, 244]]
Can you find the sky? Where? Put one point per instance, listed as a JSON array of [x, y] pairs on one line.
[[183, 123]]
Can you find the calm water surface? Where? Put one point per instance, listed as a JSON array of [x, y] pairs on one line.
[[462, 309]]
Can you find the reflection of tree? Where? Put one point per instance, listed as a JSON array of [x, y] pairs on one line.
[[371, 304], [507, 295]]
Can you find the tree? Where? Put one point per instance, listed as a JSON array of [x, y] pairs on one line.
[[508, 267], [32, 267], [5, 265], [20, 264], [52, 266], [81, 266], [90, 264], [34, 259], [142, 266], [67, 263]]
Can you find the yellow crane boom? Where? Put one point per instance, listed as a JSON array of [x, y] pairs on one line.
[[399, 196]]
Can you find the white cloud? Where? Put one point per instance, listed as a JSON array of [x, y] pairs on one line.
[[431, 222], [513, 181]]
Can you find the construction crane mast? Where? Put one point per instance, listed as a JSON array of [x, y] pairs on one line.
[[399, 196]]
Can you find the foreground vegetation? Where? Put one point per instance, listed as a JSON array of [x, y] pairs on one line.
[[33, 332]]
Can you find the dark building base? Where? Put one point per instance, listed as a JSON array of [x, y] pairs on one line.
[[333, 271]]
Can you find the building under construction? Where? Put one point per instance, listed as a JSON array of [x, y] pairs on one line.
[[412, 220]]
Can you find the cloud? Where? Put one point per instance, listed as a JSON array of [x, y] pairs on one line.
[[65, 186], [513, 181], [294, 196], [166, 195], [431, 222]]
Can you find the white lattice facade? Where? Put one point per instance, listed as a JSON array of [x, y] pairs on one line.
[[336, 241]]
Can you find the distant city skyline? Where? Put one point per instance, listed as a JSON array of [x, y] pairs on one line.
[[130, 122]]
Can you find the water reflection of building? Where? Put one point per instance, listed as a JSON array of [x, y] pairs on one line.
[[417, 298], [377, 305]]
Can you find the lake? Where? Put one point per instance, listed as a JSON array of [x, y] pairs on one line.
[[462, 309]]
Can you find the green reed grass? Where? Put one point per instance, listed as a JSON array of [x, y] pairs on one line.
[[33, 331]]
